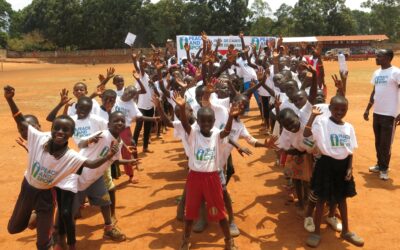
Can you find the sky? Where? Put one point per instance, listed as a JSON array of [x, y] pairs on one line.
[[352, 4]]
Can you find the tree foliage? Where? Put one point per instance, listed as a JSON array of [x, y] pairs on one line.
[[101, 24]]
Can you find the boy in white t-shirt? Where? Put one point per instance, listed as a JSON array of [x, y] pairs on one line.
[[50, 160], [205, 142], [385, 99]]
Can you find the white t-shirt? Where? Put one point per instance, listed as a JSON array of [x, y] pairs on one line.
[[129, 109], [238, 131], [288, 140], [224, 102], [386, 98], [247, 72], [87, 126], [304, 113], [180, 133], [120, 92], [221, 114], [205, 152], [103, 114], [95, 108], [269, 82], [94, 151], [144, 100], [44, 171], [334, 140], [326, 113]]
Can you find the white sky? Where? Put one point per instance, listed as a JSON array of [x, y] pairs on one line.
[[352, 4]]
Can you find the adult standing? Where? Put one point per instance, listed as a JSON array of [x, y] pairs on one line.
[[385, 99]]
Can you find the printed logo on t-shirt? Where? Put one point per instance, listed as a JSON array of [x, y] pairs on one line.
[[340, 140], [82, 132], [42, 174], [104, 151], [381, 79], [121, 109], [205, 154]]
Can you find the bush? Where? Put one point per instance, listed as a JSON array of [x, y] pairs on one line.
[[3, 39], [32, 41]]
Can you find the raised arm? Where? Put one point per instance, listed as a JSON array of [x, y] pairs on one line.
[[114, 148], [137, 78], [180, 101], [9, 93], [160, 110], [233, 112], [187, 49], [64, 101], [134, 61], [314, 113]]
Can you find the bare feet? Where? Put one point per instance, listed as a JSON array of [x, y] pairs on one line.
[[133, 180]]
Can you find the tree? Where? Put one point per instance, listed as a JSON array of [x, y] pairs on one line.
[[260, 8], [284, 24], [5, 12], [362, 20]]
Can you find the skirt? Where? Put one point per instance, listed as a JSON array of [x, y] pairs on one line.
[[299, 167], [328, 180]]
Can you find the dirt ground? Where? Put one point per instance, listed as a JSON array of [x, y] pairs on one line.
[[146, 211]]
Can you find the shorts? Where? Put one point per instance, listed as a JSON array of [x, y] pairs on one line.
[[97, 194], [206, 186]]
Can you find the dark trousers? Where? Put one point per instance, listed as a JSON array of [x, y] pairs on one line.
[[384, 129], [230, 169], [147, 127], [265, 108], [40, 200], [65, 219]]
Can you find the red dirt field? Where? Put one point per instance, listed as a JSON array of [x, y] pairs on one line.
[[146, 211]]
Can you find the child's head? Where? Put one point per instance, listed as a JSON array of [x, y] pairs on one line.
[[291, 88], [294, 64], [62, 129], [116, 122], [338, 107], [80, 89], [129, 93], [241, 101], [108, 98], [31, 120], [83, 107], [287, 75], [278, 81], [289, 120], [189, 113], [205, 119], [300, 99], [118, 81], [222, 88], [320, 98], [199, 93]]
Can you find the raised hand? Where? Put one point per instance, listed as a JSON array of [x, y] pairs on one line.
[[187, 47], [100, 90], [210, 85], [219, 41], [277, 102], [241, 34], [159, 65], [95, 138], [338, 83], [179, 100], [64, 97], [101, 78], [9, 92], [110, 72], [316, 111], [260, 73], [204, 36], [271, 142], [254, 47], [156, 101]]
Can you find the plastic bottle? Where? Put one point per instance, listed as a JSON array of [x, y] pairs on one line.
[[342, 62]]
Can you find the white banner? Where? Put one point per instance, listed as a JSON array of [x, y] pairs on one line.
[[195, 43]]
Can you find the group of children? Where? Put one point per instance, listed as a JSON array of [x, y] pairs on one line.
[[202, 100]]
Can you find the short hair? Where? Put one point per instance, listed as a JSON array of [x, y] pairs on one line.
[[205, 111], [109, 93], [80, 83], [387, 52], [116, 77], [33, 118], [65, 117], [84, 99], [339, 99], [286, 113], [114, 114]]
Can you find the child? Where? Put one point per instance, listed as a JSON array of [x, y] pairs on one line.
[[50, 160], [204, 162], [332, 179]]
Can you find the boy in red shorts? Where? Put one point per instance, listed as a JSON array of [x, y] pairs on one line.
[[205, 160]]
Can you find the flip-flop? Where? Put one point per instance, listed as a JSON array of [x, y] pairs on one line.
[[353, 239], [313, 240]]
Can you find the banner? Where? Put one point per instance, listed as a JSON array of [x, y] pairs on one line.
[[196, 43]]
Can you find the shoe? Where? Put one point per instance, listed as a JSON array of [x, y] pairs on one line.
[[309, 224], [353, 239], [374, 169], [200, 226], [313, 240], [114, 234], [384, 175], [230, 245], [334, 223], [234, 230]]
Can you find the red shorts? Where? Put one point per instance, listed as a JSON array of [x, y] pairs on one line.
[[204, 186]]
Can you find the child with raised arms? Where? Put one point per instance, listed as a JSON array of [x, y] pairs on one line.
[[50, 160], [205, 161]]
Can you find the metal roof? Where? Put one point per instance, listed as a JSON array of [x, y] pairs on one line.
[[335, 38]]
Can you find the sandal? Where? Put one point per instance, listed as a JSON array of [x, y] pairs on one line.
[[313, 240], [353, 239]]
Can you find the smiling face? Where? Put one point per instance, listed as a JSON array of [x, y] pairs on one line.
[[222, 89], [80, 90], [116, 123], [61, 130], [119, 82], [83, 107], [300, 99], [338, 107]]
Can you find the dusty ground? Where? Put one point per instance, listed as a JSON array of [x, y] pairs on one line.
[[146, 211]]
